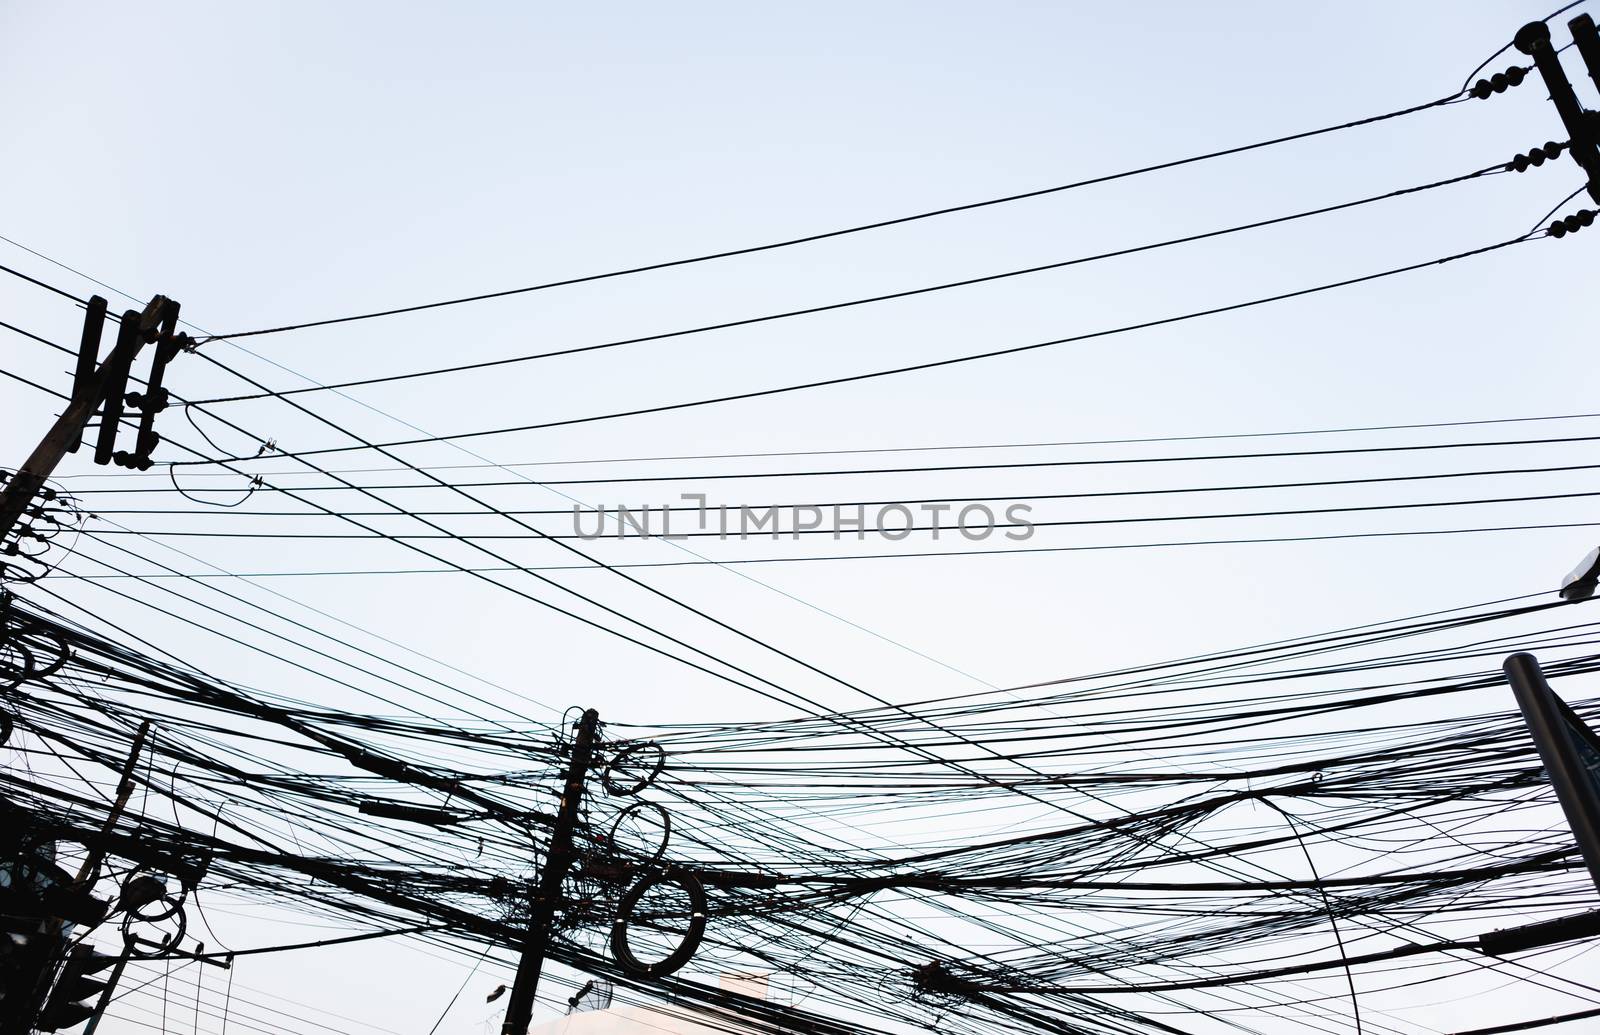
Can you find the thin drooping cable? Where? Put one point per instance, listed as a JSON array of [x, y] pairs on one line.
[[846, 231], [1327, 905]]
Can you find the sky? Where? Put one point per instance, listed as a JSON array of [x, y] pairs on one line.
[[282, 162]]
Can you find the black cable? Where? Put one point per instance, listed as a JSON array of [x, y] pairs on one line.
[[724, 625], [876, 225], [924, 469], [795, 533], [789, 691], [902, 556], [914, 367], [1539, 1022], [835, 306], [1467, 83], [970, 447], [1540, 223], [1008, 497]]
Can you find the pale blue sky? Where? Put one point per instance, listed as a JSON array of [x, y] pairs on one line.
[[281, 161]]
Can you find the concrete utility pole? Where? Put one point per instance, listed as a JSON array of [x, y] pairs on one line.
[[541, 919]]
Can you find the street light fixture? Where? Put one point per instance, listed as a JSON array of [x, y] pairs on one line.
[[1580, 583]]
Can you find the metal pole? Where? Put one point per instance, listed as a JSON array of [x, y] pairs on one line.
[[519, 1009], [1560, 755]]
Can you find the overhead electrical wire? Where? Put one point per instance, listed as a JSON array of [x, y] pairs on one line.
[[856, 229], [869, 300], [995, 874], [847, 725], [1012, 497], [898, 555], [922, 469], [914, 367], [124, 475], [795, 533]]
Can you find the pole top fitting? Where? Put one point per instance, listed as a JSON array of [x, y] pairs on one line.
[[1531, 37]]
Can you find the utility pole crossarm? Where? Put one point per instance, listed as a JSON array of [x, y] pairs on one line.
[[94, 387]]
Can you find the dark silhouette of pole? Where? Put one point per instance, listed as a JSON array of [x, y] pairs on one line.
[[97, 852], [39, 961], [541, 918], [1588, 41], [1574, 786], [1533, 40]]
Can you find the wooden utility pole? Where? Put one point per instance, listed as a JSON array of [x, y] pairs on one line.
[[547, 895]]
